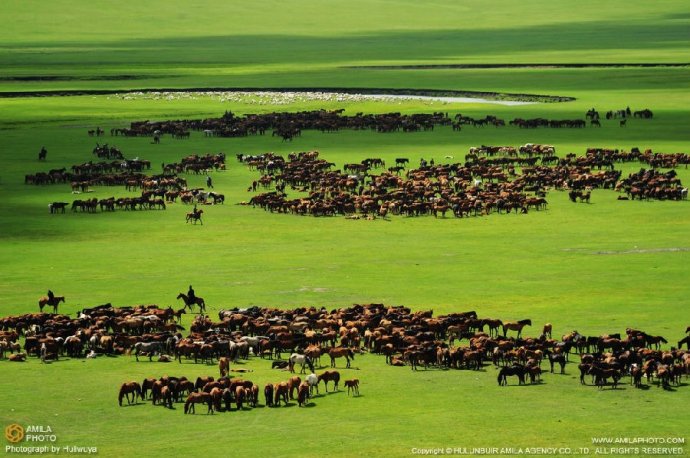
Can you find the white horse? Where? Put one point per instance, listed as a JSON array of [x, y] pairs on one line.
[[304, 360], [313, 381]]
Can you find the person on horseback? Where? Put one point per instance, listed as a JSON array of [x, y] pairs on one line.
[[51, 297], [190, 295]]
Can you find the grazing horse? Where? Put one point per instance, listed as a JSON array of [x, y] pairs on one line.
[[313, 382], [517, 370], [128, 388], [352, 384], [303, 360], [268, 394], [302, 394], [195, 216], [684, 340], [328, 376], [198, 398], [515, 326], [601, 375], [45, 300], [149, 348], [338, 352], [192, 302], [280, 391]]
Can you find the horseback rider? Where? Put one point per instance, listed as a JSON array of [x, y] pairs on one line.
[[190, 294], [51, 297]]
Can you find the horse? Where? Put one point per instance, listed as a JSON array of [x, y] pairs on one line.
[[128, 388], [515, 326], [685, 340], [165, 395], [194, 217], [280, 391], [223, 366], [149, 348], [601, 375], [45, 300], [304, 360], [302, 394], [268, 394], [313, 382], [191, 302], [352, 384], [517, 370], [623, 122], [197, 398], [547, 330], [293, 383], [654, 340], [338, 352], [557, 358], [56, 207], [328, 376]]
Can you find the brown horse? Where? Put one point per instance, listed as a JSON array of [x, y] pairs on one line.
[[338, 352], [547, 330], [352, 384], [198, 398], [515, 326], [128, 388], [223, 366], [195, 216], [328, 376], [239, 397], [280, 391], [302, 394], [192, 302], [293, 383], [165, 396], [268, 394], [45, 300]]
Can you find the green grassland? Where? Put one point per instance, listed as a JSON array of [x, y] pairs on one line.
[[597, 268]]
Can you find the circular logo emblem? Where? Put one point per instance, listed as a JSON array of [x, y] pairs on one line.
[[14, 433]]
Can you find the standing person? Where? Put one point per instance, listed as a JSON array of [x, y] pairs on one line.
[[209, 182], [42, 154]]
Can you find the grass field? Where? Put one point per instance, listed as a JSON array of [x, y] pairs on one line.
[[597, 268]]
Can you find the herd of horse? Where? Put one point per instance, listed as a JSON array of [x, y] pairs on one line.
[[487, 182], [414, 339], [220, 394]]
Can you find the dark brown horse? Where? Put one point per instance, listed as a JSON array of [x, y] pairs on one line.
[[268, 394], [328, 376], [45, 300], [338, 352], [515, 326], [194, 217], [192, 302], [352, 384], [128, 388], [302, 394], [517, 370], [684, 340], [601, 376]]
